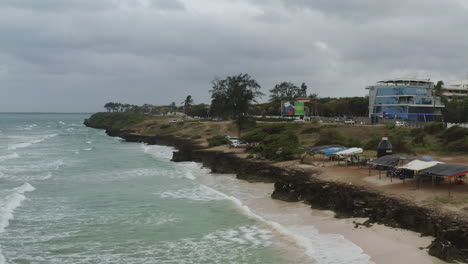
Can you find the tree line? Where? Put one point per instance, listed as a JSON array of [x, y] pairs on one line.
[[237, 96]]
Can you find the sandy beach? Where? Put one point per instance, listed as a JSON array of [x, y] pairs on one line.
[[311, 228]]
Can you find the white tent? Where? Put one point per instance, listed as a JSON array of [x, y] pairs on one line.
[[350, 151], [417, 165]]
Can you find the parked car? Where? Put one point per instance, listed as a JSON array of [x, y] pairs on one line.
[[298, 120], [401, 123], [174, 121], [217, 119], [350, 121], [239, 144]]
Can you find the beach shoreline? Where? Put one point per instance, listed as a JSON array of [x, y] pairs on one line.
[[295, 184], [381, 243]]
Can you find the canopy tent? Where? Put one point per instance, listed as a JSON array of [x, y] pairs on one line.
[[426, 158], [318, 148], [447, 170], [390, 160], [418, 165], [331, 151], [350, 151]]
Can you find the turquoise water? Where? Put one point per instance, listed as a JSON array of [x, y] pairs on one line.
[[71, 194]]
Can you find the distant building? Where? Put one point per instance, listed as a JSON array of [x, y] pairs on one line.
[[404, 99], [459, 88]]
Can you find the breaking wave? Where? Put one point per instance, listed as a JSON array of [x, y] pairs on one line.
[[31, 142]]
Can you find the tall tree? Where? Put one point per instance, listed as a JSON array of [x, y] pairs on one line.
[[233, 96], [172, 106], [187, 103], [303, 90], [285, 91]]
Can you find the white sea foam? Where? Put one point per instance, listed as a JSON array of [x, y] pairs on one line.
[[319, 247], [160, 152], [198, 193], [30, 127], [10, 202], [9, 157], [31, 141], [37, 167]]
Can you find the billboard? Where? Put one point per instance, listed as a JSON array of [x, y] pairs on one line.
[[292, 108]]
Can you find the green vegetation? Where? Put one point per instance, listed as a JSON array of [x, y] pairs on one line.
[[217, 141], [117, 120], [275, 142], [233, 96], [165, 126]]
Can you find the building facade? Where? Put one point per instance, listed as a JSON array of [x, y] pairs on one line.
[[459, 89], [404, 99]]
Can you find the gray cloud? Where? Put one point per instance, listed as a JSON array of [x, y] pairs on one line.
[[77, 55]]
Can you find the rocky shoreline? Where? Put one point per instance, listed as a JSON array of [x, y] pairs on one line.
[[450, 232]]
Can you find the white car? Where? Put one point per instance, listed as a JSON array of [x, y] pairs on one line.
[[239, 144], [401, 123], [349, 121], [174, 121]]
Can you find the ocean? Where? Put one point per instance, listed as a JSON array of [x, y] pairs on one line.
[[71, 194]]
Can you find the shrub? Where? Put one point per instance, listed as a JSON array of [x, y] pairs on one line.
[[196, 137], [311, 130], [373, 143], [434, 128], [287, 143], [389, 126], [460, 145], [165, 126], [399, 141], [330, 136], [453, 134], [217, 141], [275, 142]]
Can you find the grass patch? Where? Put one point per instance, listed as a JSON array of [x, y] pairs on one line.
[[217, 141]]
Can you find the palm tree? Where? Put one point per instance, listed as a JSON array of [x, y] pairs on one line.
[[187, 103], [172, 106]]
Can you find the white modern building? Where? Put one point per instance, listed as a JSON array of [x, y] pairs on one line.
[[459, 89], [404, 99]]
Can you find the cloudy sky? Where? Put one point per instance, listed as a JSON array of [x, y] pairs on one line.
[[76, 55]]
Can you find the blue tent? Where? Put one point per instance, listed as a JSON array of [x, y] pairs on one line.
[[331, 151], [426, 159]]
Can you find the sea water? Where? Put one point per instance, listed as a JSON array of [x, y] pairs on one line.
[[71, 194]]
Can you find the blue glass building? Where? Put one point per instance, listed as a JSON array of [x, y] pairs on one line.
[[404, 99]]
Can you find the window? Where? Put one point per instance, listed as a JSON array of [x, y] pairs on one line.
[[402, 91], [386, 100], [423, 100], [391, 109], [421, 110]]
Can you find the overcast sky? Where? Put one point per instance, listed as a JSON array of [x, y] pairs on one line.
[[76, 55]]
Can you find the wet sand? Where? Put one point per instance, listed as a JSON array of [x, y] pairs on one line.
[[320, 235]]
